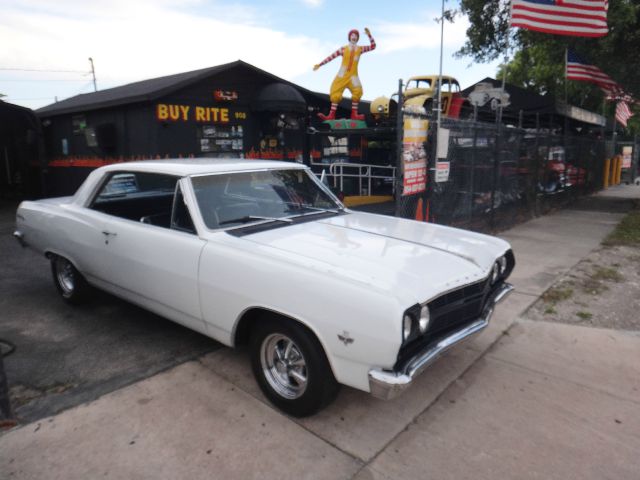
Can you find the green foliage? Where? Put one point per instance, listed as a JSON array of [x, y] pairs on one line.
[[627, 232], [537, 60], [584, 315]]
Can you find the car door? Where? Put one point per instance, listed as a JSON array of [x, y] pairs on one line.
[[156, 265]]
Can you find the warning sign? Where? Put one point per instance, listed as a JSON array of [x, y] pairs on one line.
[[442, 171]]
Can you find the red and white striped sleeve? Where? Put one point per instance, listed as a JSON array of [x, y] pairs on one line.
[[335, 54], [368, 48]]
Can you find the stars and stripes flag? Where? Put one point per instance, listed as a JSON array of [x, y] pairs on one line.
[[623, 113], [578, 18], [581, 70]]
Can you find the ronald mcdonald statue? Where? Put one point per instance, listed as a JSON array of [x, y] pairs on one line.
[[347, 76]]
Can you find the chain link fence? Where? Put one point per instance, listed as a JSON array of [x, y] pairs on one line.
[[501, 176]]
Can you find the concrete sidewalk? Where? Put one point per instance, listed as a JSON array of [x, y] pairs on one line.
[[543, 401]]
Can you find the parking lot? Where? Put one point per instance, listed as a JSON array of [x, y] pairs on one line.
[[66, 356], [144, 398]]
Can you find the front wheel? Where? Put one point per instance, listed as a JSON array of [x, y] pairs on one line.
[[68, 280], [291, 368]]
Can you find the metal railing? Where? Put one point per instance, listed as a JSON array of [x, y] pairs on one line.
[[364, 174]]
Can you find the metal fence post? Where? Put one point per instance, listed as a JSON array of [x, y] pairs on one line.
[[496, 170], [472, 174], [399, 166], [5, 406]]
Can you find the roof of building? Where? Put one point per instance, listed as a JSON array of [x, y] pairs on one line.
[[149, 90], [519, 98], [531, 103]]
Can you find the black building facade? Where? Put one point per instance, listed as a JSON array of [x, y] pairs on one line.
[[21, 152], [232, 110]]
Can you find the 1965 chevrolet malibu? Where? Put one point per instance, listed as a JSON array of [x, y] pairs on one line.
[[262, 253]]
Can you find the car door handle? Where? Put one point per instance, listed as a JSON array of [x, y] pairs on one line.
[[109, 234]]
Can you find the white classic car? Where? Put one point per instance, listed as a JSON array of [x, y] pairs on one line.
[[262, 253]]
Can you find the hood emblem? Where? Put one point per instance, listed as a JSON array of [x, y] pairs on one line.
[[345, 338]]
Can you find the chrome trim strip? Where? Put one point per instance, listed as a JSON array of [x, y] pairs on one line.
[[387, 384]]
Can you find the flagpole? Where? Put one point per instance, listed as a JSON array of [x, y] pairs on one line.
[[506, 61], [615, 133], [440, 73], [566, 80]]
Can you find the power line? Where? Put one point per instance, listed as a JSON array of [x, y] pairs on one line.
[[24, 99], [29, 80], [42, 70]]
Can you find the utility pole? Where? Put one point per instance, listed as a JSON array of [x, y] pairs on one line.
[[439, 102], [93, 73]]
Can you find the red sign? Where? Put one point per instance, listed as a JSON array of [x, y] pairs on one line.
[[225, 95]]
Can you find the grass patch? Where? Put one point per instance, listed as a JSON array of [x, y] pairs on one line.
[[549, 311], [594, 286], [627, 232], [557, 294], [607, 274], [584, 315]]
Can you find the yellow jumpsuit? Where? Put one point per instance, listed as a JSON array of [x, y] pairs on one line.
[[347, 76]]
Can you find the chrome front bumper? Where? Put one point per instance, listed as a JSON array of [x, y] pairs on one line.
[[386, 384], [18, 235]]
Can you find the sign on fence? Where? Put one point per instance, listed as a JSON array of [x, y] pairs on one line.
[[626, 156], [442, 171], [443, 143], [414, 156]]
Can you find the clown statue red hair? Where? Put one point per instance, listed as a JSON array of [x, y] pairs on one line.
[[347, 77]]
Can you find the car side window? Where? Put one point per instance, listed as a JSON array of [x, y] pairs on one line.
[[180, 217], [138, 196]]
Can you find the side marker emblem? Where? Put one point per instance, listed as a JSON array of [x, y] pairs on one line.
[[345, 338]]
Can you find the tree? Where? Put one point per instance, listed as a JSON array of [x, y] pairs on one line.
[[537, 59]]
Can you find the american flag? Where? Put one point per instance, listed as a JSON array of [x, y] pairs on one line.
[[579, 69], [623, 113], [579, 18]]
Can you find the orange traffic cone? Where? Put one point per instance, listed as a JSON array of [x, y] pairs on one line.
[[420, 211]]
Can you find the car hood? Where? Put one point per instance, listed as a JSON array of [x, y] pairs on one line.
[[420, 260]]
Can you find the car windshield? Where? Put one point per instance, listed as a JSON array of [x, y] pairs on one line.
[[419, 83], [235, 199]]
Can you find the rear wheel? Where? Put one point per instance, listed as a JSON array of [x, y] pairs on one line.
[[68, 280], [291, 368]]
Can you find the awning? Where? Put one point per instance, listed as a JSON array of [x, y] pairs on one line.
[[279, 97]]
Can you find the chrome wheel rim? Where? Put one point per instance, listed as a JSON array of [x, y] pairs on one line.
[[65, 275], [284, 366]]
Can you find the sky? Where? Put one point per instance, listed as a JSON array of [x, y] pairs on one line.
[[46, 44]]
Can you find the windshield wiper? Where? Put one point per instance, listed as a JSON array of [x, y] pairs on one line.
[[248, 218], [315, 209]]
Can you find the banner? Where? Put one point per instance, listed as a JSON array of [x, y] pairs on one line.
[[414, 156], [626, 156]]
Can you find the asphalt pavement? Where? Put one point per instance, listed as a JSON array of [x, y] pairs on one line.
[[65, 355], [522, 400]]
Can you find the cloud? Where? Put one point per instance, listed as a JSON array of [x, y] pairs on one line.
[[423, 34], [313, 3], [132, 41]]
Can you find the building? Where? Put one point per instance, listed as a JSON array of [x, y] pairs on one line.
[[231, 110], [21, 152]]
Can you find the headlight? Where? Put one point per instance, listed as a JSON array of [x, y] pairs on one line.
[[407, 327], [502, 261], [425, 317], [495, 272]]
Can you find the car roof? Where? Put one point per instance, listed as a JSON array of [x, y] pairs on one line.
[[432, 77], [199, 166]]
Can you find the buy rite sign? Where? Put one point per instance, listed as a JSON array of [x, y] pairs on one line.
[[185, 113]]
